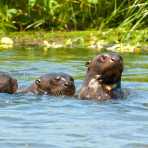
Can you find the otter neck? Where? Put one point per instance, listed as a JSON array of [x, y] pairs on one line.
[[92, 75]]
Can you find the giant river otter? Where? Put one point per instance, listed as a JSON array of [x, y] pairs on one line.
[[103, 77], [52, 84], [7, 83]]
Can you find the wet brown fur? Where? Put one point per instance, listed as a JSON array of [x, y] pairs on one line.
[[52, 84], [103, 77], [7, 83]]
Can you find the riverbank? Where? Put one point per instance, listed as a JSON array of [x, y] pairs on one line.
[[111, 39]]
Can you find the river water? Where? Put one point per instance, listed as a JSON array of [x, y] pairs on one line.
[[30, 121]]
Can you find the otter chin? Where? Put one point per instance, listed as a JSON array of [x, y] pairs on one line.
[[103, 77], [56, 84], [7, 83]]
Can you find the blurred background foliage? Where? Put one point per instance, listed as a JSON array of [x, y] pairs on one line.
[[21, 15]]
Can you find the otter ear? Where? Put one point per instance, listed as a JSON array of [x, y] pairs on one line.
[[87, 63], [37, 82]]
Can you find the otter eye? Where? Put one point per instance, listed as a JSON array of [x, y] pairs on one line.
[[58, 78], [71, 79], [38, 81]]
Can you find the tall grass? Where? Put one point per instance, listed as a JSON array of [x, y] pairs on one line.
[[73, 14], [6, 16]]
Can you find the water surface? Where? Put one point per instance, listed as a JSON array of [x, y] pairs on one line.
[[29, 121]]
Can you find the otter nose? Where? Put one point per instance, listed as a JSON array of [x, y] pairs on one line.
[[115, 58], [103, 58], [67, 84]]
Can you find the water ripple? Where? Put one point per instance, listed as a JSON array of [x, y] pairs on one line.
[[30, 121]]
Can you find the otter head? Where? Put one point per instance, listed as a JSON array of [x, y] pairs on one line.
[[56, 84], [108, 67], [7, 83]]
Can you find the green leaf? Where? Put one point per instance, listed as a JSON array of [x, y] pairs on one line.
[[93, 1], [31, 3]]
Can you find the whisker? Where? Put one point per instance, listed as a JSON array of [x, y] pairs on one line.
[[61, 93], [55, 93], [58, 93]]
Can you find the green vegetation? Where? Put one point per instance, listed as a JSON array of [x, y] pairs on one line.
[[73, 14], [112, 21], [109, 39]]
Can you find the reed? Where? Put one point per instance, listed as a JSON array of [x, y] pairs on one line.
[[73, 14]]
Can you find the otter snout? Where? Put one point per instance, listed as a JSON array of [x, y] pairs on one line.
[[115, 58], [110, 57], [68, 84]]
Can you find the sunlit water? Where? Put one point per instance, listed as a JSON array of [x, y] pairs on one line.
[[30, 121]]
